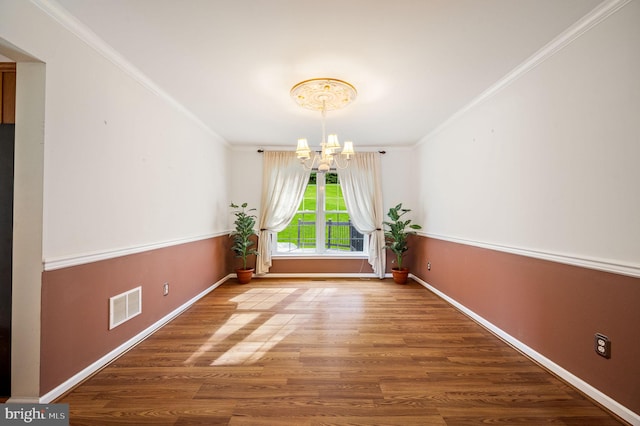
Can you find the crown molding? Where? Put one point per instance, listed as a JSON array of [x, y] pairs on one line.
[[91, 39], [590, 20]]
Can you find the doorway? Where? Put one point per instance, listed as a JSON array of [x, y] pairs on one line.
[[7, 132], [7, 150]]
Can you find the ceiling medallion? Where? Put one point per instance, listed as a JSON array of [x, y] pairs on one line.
[[326, 94]]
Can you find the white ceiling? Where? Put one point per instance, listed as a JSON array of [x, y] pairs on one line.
[[414, 62]]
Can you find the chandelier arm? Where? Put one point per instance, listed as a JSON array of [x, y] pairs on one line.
[[336, 160], [309, 163]]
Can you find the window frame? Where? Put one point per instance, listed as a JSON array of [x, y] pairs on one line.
[[321, 250]]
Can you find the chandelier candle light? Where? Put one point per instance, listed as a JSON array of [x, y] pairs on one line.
[[324, 94]]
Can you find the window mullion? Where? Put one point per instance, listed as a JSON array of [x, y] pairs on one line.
[[320, 213], [329, 203]]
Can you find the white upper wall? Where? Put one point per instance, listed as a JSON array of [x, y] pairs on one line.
[[246, 179], [124, 168], [549, 164]]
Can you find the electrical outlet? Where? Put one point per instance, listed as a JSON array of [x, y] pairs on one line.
[[602, 345], [165, 289]]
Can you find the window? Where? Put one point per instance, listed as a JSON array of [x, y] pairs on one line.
[[321, 224]]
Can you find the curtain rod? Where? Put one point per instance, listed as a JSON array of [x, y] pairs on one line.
[[260, 151]]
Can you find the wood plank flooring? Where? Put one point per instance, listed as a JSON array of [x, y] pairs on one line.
[[332, 352]]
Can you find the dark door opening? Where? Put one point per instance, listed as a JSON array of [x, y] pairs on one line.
[[7, 152], [7, 146]]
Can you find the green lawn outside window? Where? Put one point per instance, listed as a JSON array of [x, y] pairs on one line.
[[335, 211]]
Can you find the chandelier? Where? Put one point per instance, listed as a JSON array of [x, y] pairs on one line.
[[324, 94]]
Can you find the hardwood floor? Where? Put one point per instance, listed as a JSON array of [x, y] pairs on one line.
[[307, 352]]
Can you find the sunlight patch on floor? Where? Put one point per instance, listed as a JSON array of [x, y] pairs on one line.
[[272, 331], [311, 298], [260, 342], [262, 298], [233, 324]]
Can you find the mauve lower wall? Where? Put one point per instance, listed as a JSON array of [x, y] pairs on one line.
[[283, 265], [320, 266], [75, 301], [553, 308]]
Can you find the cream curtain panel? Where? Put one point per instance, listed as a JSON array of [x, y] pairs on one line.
[[283, 183], [362, 191]]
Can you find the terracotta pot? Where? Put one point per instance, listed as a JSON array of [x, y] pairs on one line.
[[400, 275], [244, 275]]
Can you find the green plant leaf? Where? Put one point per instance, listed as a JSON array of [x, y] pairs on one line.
[[396, 232]]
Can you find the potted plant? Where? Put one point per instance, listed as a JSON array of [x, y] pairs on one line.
[[242, 241], [396, 233]]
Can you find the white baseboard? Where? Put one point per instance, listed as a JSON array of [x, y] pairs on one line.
[[22, 400], [603, 399], [593, 393], [106, 359], [312, 275]]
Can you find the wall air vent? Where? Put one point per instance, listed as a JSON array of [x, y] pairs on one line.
[[125, 306]]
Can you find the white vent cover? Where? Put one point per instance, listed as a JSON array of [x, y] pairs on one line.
[[124, 306]]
